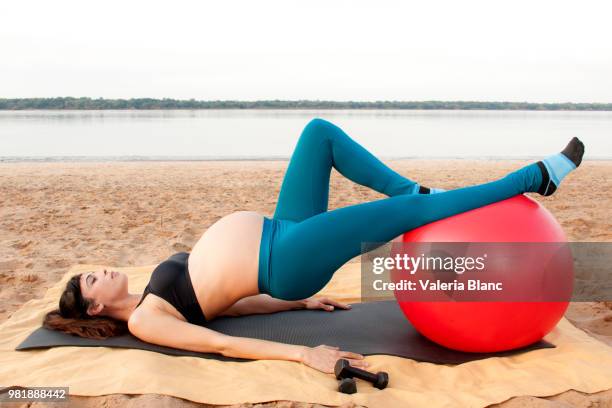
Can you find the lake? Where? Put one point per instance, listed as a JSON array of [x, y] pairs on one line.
[[272, 134]]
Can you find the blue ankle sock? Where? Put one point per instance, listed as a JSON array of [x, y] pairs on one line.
[[554, 169], [558, 166]]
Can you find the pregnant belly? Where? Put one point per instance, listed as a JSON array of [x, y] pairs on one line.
[[223, 264]]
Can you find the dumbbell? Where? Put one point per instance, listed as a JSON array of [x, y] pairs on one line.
[[347, 386], [343, 369]]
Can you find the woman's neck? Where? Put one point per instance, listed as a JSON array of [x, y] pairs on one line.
[[124, 308]]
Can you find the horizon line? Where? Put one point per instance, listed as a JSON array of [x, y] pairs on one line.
[[146, 103]]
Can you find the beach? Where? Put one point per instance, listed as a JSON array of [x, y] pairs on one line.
[[57, 214]]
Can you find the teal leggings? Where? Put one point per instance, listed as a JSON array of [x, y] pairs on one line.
[[303, 244]]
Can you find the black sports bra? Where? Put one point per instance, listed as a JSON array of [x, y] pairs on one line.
[[170, 280]]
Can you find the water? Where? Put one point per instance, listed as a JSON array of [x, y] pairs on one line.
[[272, 134]]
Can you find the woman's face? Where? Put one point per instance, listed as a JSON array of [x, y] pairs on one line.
[[104, 286]]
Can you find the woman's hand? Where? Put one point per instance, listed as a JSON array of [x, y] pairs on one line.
[[324, 303], [323, 358]]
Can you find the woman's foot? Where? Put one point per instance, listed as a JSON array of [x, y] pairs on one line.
[[554, 168]]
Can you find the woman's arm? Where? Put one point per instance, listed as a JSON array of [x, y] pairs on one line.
[[264, 303], [166, 330]]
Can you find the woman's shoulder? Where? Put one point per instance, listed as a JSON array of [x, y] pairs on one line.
[[152, 305], [146, 310]]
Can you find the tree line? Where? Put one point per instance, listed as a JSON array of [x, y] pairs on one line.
[[166, 103]]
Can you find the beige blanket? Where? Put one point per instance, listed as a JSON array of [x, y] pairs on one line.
[[579, 362]]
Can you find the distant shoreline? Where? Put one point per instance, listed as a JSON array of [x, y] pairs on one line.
[[84, 103]]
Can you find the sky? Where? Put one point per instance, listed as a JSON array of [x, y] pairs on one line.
[[535, 51]]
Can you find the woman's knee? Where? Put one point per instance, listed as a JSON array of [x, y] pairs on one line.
[[319, 129], [319, 123]]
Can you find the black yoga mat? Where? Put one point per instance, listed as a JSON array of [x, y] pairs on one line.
[[366, 328]]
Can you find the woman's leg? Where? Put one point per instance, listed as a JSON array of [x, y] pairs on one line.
[[321, 146], [306, 255]]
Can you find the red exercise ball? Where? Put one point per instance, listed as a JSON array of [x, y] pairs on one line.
[[475, 326]]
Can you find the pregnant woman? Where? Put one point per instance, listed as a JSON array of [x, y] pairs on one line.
[[247, 263]]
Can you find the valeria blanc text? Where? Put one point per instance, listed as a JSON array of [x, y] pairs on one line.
[[437, 285]]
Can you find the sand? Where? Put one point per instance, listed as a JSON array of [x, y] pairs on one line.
[[55, 215]]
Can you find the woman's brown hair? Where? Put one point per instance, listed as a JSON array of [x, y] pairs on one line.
[[72, 317]]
